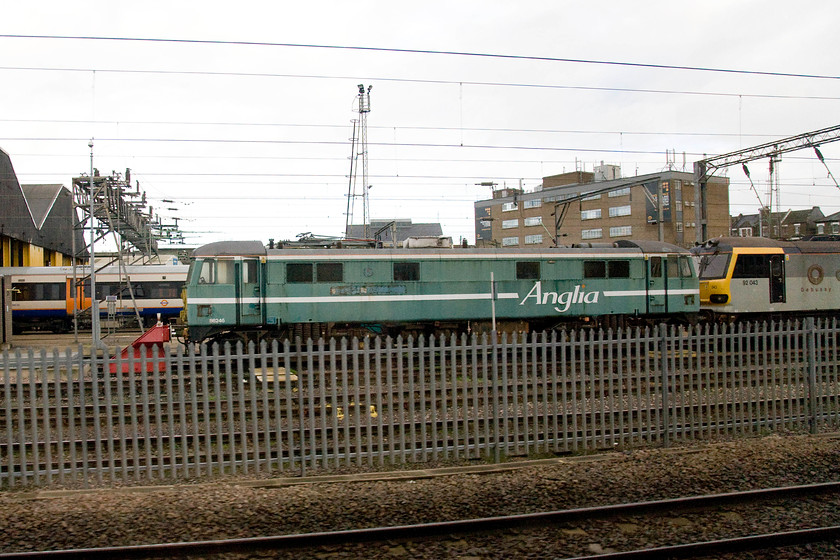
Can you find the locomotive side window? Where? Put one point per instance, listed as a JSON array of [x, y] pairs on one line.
[[299, 273], [527, 270], [752, 266], [606, 269], [329, 272], [656, 267], [618, 269], [406, 271], [594, 269], [249, 271]]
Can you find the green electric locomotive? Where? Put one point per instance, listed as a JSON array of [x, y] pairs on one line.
[[240, 290]]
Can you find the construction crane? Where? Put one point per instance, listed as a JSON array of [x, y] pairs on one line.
[[705, 168]]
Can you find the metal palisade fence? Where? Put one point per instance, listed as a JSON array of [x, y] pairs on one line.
[[292, 409]]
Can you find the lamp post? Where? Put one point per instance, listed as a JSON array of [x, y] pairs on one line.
[[96, 333]]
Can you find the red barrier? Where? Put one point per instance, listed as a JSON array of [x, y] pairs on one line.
[[153, 340]]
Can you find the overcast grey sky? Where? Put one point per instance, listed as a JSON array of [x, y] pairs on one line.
[[252, 141]]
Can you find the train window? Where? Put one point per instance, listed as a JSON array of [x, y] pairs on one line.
[[299, 273], [406, 271], [208, 272], [39, 292], [686, 268], [161, 290], [527, 270], [224, 272], [618, 269], [594, 269], [673, 267], [656, 267], [329, 272], [752, 266], [714, 266], [249, 272]]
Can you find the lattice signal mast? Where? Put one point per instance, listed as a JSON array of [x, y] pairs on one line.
[[359, 161]]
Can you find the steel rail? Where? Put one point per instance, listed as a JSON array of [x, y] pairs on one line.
[[427, 530]]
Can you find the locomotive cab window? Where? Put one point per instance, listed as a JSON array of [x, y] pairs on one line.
[[406, 271], [673, 267], [527, 270], [208, 272], [329, 272], [216, 272], [299, 273], [686, 267]]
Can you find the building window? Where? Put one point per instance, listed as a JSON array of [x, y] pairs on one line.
[[533, 203], [619, 192], [745, 232], [679, 227], [796, 229], [510, 241], [509, 206], [508, 224], [592, 197], [535, 221], [835, 227], [596, 233], [619, 211], [590, 214], [621, 231], [406, 271], [535, 239]]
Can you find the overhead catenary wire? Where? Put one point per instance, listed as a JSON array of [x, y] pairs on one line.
[[423, 81], [501, 56]]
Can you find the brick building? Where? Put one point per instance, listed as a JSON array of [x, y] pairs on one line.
[[599, 207]]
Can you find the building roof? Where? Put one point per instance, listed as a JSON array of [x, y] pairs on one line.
[[404, 230], [41, 215], [802, 216], [830, 218]]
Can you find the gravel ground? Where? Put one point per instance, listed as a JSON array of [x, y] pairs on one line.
[[239, 508]]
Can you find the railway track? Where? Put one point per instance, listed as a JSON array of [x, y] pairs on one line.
[[498, 529]]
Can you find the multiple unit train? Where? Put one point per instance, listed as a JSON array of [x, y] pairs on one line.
[[42, 297], [742, 277], [239, 290]]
